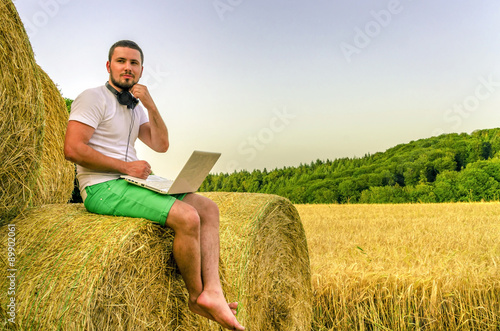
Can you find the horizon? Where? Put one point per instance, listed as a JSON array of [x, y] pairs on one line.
[[274, 85], [368, 154]]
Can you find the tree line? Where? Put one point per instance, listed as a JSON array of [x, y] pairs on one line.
[[447, 168]]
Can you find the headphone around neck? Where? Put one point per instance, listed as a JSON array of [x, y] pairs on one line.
[[124, 98]]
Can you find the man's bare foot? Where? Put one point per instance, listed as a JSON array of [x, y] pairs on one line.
[[193, 306], [215, 305], [234, 307]]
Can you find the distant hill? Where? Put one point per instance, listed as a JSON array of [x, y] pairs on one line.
[[446, 168]]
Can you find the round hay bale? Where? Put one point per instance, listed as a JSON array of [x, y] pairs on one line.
[[56, 181], [21, 115], [266, 261], [81, 271], [76, 270]]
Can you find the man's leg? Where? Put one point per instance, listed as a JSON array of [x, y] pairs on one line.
[[195, 221]]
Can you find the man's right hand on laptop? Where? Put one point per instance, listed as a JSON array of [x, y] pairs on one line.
[[139, 169]]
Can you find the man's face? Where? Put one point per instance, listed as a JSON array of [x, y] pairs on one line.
[[125, 68]]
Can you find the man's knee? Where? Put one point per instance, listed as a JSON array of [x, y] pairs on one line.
[[207, 209], [212, 208], [184, 219]]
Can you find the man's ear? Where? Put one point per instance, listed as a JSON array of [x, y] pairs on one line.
[[107, 67], [142, 70]]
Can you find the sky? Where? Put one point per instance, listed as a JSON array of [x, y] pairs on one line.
[[273, 84]]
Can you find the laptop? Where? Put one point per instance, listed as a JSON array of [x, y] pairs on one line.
[[189, 179]]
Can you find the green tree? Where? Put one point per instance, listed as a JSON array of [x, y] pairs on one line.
[[68, 103], [445, 186], [475, 185], [450, 167]]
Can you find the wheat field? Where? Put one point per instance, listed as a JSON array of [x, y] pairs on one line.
[[405, 266]]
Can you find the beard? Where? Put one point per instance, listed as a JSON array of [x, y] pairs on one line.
[[125, 85]]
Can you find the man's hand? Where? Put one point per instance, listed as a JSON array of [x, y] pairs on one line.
[[153, 133], [140, 169], [141, 92]]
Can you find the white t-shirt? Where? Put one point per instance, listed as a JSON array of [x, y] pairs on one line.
[[116, 127]]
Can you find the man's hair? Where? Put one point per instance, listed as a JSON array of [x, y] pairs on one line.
[[128, 44]]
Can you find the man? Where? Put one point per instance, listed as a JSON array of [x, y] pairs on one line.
[[103, 126]]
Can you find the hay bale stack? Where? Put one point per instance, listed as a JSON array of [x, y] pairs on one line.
[[77, 270], [21, 115], [82, 271], [56, 181]]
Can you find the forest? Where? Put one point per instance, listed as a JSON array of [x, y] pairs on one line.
[[447, 168]]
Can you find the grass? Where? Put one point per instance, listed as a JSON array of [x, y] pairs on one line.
[[404, 267]]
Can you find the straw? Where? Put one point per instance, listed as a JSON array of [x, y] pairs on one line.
[[77, 270], [21, 115]]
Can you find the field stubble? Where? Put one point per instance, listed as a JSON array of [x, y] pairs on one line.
[[405, 266]]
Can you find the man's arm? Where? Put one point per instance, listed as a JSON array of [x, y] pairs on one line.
[[77, 150], [154, 133]]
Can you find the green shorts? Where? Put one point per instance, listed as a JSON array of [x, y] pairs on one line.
[[119, 198]]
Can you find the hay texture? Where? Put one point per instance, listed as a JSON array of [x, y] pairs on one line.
[[21, 115], [56, 177], [81, 271], [266, 260]]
